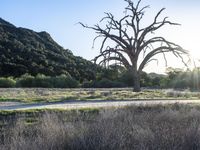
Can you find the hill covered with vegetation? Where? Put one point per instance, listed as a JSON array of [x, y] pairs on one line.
[[25, 51]]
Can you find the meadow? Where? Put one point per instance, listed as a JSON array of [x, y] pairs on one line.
[[174, 127], [35, 95]]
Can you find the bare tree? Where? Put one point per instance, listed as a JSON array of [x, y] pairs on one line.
[[133, 41]]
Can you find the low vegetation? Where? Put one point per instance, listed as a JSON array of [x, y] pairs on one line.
[[31, 95], [135, 127], [61, 81], [109, 78]]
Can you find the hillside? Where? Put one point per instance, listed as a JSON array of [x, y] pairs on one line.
[[26, 51], [156, 75]]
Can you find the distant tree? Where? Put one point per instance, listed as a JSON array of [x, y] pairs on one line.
[[178, 78], [133, 41]]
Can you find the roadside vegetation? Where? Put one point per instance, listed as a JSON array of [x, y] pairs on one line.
[[109, 85], [137, 127], [34, 95]]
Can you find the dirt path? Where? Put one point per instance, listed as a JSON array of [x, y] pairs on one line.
[[87, 104]]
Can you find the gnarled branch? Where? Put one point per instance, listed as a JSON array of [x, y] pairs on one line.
[[131, 39]]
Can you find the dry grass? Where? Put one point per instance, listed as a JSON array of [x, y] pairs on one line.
[[174, 127], [49, 95]]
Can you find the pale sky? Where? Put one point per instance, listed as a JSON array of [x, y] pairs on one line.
[[60, 17]]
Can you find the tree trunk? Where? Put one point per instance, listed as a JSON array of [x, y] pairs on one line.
[[136, 81], [136, 86]]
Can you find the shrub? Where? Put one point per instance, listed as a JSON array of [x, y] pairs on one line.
[[103, 83], [43, 81], [7, 82], [106, 83], [25, 80], [64, 81], [88, 84], [127, 78]]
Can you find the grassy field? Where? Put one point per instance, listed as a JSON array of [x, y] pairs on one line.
[[31, 95], [174, 127]]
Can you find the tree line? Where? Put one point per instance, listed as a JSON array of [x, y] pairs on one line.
[[114, 77]]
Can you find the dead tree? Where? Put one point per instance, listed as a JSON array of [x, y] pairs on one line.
[[132, 40]]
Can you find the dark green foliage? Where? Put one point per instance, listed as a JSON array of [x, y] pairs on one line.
[[25, 81], [146, 80], [120, 77], [106, 83], [7, 82], [103, 83], [111, 73], [43, 81], [25, 51], [64, 81], [127, 78]]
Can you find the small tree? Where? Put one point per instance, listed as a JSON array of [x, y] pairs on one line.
[[132, 41]]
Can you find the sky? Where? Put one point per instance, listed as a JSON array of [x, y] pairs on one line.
[[60, 18]]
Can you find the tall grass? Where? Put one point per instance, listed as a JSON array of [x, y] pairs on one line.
[[175, 127]]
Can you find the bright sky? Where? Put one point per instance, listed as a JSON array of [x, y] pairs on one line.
[[60, 17]]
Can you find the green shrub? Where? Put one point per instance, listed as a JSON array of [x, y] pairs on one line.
[[126, 78], [7, 82], [31, 81], [88, 84], [103, 83], [25, 80], [43, 81], [64, 81], [106, 83]]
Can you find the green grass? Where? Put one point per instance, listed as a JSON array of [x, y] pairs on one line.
[[35, 95], [40, 111]]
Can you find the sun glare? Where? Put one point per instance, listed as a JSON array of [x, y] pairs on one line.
[[195, 57], [194, 54]]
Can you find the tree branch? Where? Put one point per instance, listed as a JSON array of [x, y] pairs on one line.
[[111, 51], [177, 51]]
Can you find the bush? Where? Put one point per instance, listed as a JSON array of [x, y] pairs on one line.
[[127, 78], [104, 83], [25, 80], [7, 82], [64, 81], [88, 84], [43, 81]]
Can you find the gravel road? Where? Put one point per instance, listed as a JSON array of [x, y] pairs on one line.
[[87, 104]]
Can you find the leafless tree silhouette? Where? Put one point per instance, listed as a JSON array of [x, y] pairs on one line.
[[132, 40]]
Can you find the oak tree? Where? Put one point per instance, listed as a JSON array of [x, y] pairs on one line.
[[132, 40]]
